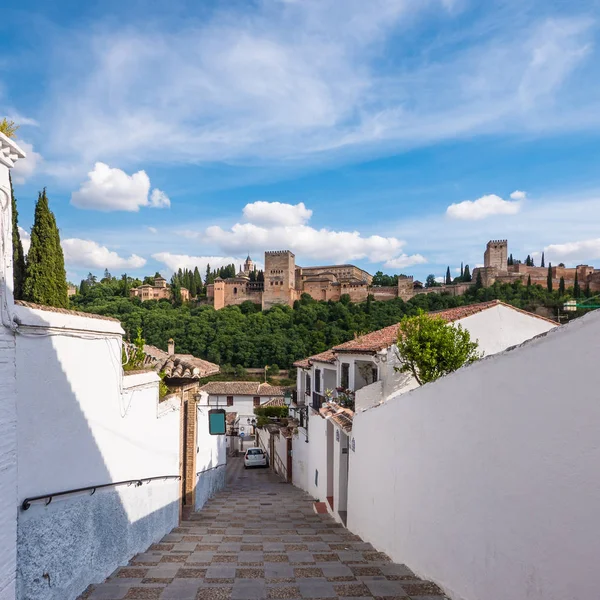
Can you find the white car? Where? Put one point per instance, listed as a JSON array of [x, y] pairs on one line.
[[255, 457]]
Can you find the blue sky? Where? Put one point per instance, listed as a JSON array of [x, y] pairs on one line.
[[399, 135]]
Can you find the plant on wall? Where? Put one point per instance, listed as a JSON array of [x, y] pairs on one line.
[[429, 347], [345, 398]]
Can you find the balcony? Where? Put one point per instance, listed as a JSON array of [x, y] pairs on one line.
[[318, 400]]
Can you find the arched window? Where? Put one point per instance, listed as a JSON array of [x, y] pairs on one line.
[[235, 290]]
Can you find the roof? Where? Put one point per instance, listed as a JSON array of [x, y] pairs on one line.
[[177, 366], [383, 338], [242, 388], [277, 401], [64, 311], [343, 417], [328, 357]]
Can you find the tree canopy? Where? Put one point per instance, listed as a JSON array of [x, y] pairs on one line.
[[429, 347]]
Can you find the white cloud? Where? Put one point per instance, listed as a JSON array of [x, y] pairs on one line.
[[486, 206], [308, 242], [110, 189], [158, 199], [403, 261], [575, 252], [25, 239], [276, 213], [440, 279], [518, 195], [293, 80], [184, 261], [152, 230], [89, 254], [26, 167]]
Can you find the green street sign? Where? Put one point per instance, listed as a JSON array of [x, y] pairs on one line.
[[216, 422]]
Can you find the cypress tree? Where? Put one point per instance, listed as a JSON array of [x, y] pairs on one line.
[[561, 286], [478, 281], [543, 264], [549, 277], [467, 274], [528, 281], [18, 254], [576, 288], [45, 278], [462, 270], [448, 277], [197, 281]]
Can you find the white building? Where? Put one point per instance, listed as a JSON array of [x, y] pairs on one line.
[[240, 397], [366, 366]]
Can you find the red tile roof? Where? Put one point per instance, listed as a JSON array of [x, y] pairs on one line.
[[242, 388], [64, 311], [343, 417], [328, 357]]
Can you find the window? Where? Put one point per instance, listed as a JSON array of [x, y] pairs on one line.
[[256, 401], [235, 290], [345, 383], [254, 452], [308, 390], [317, 380], [374, 374], [229, 400]]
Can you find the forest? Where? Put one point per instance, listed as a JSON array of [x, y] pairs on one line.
[[244, 335]]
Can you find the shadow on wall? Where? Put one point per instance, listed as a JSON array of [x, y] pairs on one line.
[[64, 382]]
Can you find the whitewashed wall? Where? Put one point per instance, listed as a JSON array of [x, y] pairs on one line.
[[317, 456], [80, 423], [486, 480], [300, 456], [8, 388], [211, 460]]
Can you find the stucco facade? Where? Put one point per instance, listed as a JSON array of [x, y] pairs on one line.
[[9, 154], [484, 479]]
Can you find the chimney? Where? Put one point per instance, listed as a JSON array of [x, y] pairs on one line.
[[171, 347]]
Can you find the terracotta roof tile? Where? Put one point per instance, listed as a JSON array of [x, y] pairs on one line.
[[242, 388], [328, 356], [176, 366], [277, 401], [342, 417]]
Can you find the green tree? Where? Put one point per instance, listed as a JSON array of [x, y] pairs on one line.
[[561, 287], [528, 281], [8, 128], [478, 281], [448, 276], [462, 271], [542, 263], [576, 287], [510, 260], [45, 279], [429, 347], [197, 281], [467, 274], [430, 281], [549, 278], [18, 254]]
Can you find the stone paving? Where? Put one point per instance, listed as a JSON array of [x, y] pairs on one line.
[[261, 539]]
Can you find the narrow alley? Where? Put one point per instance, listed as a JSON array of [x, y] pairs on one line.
[[259, 539]]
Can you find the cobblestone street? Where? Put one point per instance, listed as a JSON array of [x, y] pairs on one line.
[[259, 539]]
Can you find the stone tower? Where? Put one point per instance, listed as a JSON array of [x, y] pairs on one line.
[[219, 291], [248, 266], [280, 279], [496, 255]]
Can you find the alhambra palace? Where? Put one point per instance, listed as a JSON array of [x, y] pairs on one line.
[[285, 282]]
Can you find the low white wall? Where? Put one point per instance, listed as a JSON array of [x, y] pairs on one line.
[[80, 423], [317, 456], [300, 454], [280, 465], [486, 480], [211, 460]]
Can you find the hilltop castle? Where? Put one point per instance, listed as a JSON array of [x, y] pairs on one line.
[[496, 268], [284, 282]]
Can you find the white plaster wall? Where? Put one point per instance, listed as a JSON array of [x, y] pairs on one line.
[[8, 403], [211, 460], [242, 405], [80, 423], [300, 455], [317, 459], [280, 465], [486, 480]]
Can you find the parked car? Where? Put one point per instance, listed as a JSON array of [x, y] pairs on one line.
[[255, 457]]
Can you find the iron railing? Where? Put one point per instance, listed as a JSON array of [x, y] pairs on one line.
[[318, 400], [135, 482]]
